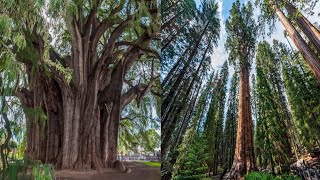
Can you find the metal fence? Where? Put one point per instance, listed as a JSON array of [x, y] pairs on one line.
[[139, 158]]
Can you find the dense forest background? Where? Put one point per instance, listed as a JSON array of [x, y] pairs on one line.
[[250, 105]]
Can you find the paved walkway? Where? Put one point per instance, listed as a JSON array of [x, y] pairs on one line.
[[139, 172]]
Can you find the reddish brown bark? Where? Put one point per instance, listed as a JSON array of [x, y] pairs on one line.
[[310, 57], [244, 159], [306, 26]]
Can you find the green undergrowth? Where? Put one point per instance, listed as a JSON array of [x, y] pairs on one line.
[[43, 172], [152, 164], [19, 169], [268, 176]]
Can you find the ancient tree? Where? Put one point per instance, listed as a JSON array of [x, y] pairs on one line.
[[241, 37], [74, 60]]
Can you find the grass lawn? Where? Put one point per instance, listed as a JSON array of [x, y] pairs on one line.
[[152, 164]]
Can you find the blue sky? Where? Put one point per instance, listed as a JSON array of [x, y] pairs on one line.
[[220, 55], [226, 6]]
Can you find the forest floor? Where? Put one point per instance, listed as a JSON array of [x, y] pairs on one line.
[[139, 171]]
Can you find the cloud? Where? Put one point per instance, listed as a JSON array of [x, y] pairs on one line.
[[220, 54]]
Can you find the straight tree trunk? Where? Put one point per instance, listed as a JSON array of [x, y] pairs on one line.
[[166, 135], [266, 131], [171, 20], [244, 159], [186, 120], [310, 57], [180, 76], [174, 68], [167, 124], [166, 121], [173, 35], [309, 30]]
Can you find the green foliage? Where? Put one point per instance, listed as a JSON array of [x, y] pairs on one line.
[[12, 125], [52, 21], [241, 34], [140, 125], [194, 23], [4, 25], [267, 176], [194, 165], [303, 92], [17, 169], [39, 40], [21, 147], [131, 134], [13, 170], [194, 127], [230, 128], [267, 17], [43, 172], [272, 130], [214, 122], [190, 33], [66, 72]]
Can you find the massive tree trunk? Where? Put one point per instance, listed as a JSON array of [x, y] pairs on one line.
[[80, 132], [309, 30], [310, 57], [244, 159], [79, 123]]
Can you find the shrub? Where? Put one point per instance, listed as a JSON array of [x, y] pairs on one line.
[[13, 169], [43, 172], [268, 176], [18, 170]]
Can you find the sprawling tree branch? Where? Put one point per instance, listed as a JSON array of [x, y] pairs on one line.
[[147, 49], [136, 92], [104, 25]]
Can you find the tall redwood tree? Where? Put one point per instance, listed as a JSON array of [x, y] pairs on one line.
[[241, 37], [271, 8]]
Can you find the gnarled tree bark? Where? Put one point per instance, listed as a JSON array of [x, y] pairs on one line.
[[82, 117]]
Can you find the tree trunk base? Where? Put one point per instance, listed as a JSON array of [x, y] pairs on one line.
[[237, 170]]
